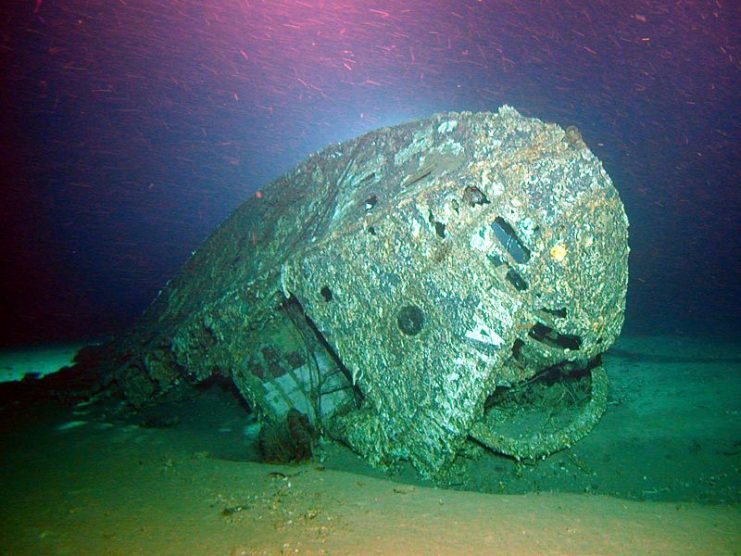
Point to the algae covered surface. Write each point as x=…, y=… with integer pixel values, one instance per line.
x=389, y=285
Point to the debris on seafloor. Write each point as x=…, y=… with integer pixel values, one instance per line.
x=287, y=441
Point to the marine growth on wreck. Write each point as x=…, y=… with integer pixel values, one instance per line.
x=405, y=290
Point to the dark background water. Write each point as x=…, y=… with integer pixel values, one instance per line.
x=132, y=128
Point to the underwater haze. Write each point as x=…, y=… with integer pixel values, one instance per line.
x=131, y=130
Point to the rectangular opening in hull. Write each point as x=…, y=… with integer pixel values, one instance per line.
x=506, y=235
x=546, y=335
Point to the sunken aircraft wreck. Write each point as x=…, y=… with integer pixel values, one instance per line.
x=402, y=292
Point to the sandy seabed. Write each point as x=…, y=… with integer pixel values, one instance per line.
x=83, y=481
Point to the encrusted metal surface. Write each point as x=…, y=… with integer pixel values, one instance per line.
x=387, y=285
